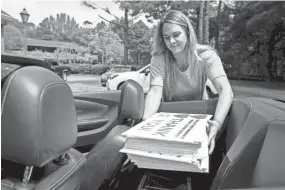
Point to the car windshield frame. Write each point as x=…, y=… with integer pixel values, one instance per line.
x=8, y=60
x=24, y=60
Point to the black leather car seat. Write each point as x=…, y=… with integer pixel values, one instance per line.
x=256, y=139
x=38, y=130
x=104, y=159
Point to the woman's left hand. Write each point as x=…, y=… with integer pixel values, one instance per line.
x=213, y=129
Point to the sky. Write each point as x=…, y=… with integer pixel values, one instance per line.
x=40, y=9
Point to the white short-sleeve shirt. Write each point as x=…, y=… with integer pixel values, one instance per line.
x=189, y=85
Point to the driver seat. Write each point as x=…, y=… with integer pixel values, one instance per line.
x=38, y=130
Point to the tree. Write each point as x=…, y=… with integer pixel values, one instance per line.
x=101, y=25
x=30, y=29
x=13, y=38
x=153, y=10
x=217, y=34
x=106, y=43
x=200, y=14
x=124, y=26
x=80, y=36
x=257, y=41
x=139, y=40
x=58, y=28
x=206, y=23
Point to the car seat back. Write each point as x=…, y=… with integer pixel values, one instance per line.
x=239, y=112
x=38, y=129
x=251, y=160
x=131, y=105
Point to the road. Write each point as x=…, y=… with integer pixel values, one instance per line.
x=89, y=83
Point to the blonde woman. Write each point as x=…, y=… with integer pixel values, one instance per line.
x=179, y=70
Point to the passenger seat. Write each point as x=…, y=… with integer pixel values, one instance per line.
x=104, y=159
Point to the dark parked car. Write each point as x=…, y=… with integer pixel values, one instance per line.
x=11, y=61
x=115, y=69
x=52, y=139
x=61, y=70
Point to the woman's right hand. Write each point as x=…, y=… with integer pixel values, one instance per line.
x=213, y=129
x=152, y=101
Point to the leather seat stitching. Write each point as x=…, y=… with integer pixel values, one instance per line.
x=245, y=100
x=239, y=156
x=59, y=181
x=112, y=138
x=237, y=159
x=250, y=111
x=102, y=179
x=40, y=119
x=117, y=157
x=6, y=92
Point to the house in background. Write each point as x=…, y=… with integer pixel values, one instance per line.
x=51, y=46
x=64, y=52
x=5, y=19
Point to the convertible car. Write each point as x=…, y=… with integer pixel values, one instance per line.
x=53, y=139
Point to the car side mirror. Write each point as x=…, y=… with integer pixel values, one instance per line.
x=147, y=71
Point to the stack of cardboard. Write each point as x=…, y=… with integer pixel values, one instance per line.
x=169, y=141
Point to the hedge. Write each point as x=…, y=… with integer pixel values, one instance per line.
x=89, y=69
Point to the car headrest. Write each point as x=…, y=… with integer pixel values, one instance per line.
x=38, y=116
x=269, y=170
x=131, y=103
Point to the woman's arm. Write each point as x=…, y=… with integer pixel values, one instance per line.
x=152, y=101
x=224, y=89
x=225, y=92
x=215, y=72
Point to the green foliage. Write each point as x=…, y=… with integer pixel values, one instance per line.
x=249, y=35
x=106, y=43
x=100, y=26
x=139, y=40
x=13, y=37
x=256, y=37
x=60, y=28
x=89, y=69
x=139, y=37
x=155, y=9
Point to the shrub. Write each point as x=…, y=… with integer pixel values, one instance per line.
x=89, y=69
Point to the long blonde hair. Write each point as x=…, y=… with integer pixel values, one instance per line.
x=159, y=47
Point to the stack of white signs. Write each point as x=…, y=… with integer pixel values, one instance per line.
x=169, y=141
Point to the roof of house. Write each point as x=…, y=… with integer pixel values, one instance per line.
x=6, y=17
x=55, y=44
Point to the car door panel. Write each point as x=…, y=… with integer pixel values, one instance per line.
x=96, y=115
x=90, y=124
x=113, y=95
x=87, y=110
